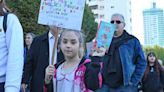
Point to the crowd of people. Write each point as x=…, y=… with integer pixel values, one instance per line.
x=37, y=67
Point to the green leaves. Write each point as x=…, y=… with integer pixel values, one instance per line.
x=27, y=12
x=89, y=25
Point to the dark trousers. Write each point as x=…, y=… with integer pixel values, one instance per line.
x=105, y=88
x=2, y=87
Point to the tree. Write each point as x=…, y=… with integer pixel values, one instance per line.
x=28, y=10
x=89, y=25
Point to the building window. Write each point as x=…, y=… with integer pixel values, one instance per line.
x=101, y=7
x=101, y=16
x=112, y=7
x=130, y=10
x=94, y=7
x=96, y=15
x=92, y=0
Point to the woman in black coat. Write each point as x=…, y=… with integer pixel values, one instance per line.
x=153, y=80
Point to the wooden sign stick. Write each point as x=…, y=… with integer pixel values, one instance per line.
x=55, y=47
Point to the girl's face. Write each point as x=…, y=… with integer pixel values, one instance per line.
x=28, y=39
x=151, y=58
x=70, y=44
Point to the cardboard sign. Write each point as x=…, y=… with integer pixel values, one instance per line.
x=105, y=34
x=62, y=13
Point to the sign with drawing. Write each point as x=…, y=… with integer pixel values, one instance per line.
x=105, y=34
x=62, y=13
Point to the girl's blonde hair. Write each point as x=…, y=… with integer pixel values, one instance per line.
x=3, y=8
x=80, y=38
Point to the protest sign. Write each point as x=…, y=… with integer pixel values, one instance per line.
x=104, y=34
x=62, y=13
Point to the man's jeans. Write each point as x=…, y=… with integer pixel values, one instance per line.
x=105, y=88
x=2, y=87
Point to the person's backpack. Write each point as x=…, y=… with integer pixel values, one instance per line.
x=5, y=22
x=93, y=76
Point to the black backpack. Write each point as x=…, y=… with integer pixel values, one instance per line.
x=5, y=22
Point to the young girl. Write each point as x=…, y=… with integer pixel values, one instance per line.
x=68, y=76
x=153, y=77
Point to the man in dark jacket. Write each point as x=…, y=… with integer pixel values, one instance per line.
x=123, y=65
x=39, y=57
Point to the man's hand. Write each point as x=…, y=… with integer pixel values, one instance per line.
x=24, y=86
x=49, y=73
x=99, y=51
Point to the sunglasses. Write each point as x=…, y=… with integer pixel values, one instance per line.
x=116, y=21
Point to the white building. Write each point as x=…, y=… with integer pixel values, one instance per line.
x=153, y=26
x=103, y=9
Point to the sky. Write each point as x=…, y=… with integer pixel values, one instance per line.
x=137, y=16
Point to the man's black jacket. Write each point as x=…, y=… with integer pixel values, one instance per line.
x=37, y=61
